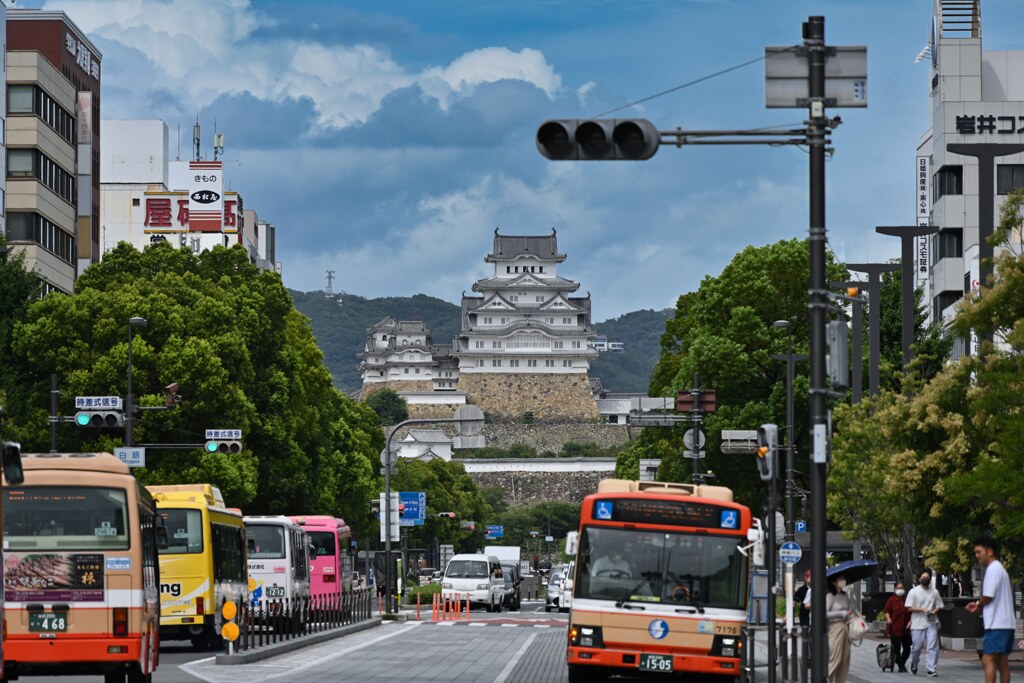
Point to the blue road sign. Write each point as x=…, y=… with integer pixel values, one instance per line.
x=415, y=503
x=800, y=526
x=790, y=552
x=495, y=531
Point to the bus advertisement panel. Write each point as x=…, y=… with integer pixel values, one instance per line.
x=80, y=584
x=203, y=565
x=661, y=577
x=330, y=571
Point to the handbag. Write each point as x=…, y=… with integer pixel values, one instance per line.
x=856, y=626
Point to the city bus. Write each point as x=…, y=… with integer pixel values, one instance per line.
x=330, y=571
x=278, y=551
x=661, y=579
x=81, y=570
x=203, y=565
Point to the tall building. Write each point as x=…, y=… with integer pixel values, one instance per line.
x=524, y=342
x=59, y=42
x=43, y=193
x=971, y=156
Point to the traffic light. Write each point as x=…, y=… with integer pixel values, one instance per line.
x=838, y=359
x=223, y=446
x=446, y=515
x=767, y=451
x=401, y=510
x=598, y=139
x=99, y=418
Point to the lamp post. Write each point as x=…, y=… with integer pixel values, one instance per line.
x=129, y=402
x=786, y=325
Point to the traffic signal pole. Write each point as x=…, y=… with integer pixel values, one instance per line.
x=817, y=126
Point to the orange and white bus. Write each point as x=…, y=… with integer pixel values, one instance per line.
x=661, y=579
x=81, y=572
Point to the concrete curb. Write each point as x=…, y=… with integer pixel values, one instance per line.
x=267, y=651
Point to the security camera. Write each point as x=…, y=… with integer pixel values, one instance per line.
x=171, y=395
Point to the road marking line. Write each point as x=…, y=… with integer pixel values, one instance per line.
x=476, y=623
x=507, y=671
x=508, y=625
x=542, y=625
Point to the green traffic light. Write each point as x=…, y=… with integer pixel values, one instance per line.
x=82, y=419
x=211, y=446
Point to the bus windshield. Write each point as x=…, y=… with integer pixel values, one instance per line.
x=184, y=531
x=65, y=518
x=656, y=566
x=324, y=542
x=466, y=569
x=269, y=541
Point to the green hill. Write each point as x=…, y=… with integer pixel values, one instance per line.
x=630, y=369
x=340, y=324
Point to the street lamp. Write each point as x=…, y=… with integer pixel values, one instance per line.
x=129, y=418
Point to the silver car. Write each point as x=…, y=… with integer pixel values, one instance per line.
x=554, y=588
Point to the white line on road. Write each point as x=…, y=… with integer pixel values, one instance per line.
x=509, y=625
x=507, y=671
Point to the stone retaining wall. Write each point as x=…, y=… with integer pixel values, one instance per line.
x=534, y=487
x=552, y=436
x=415, y=385
x=548, y=397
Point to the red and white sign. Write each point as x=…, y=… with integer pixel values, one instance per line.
x=206, y=199
x=171, y=210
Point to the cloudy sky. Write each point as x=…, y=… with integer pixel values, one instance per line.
x=387, y=139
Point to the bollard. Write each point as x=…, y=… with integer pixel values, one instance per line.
x=467, y=607
x=417, y=607
x=458, y=607
x=380, y=604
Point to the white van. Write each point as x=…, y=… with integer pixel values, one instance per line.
x=477, y=576
x=278, y=566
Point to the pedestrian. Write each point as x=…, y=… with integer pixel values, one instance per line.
x=897, y=620
x=799, y=597
x=924, y=603
x=837, y=610
x=944, y=585
x=997, y=603
x=958, y=587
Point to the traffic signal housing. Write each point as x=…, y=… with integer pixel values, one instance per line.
x=226, y=446
x=446, y=515
x=767, y=451
x=598, y=139
x=99, y=419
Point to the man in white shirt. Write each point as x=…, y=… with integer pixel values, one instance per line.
x=613, y=564
x=997, y=601
x=924, y=602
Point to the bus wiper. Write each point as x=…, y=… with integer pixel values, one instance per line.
x=687, y=599
x=648, y=576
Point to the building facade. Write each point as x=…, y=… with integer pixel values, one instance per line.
x=523, y=347
x=65, y=47
x=41, y=194
x=399, y=355
x=970, y=158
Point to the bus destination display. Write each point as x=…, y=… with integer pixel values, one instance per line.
x=666, y=512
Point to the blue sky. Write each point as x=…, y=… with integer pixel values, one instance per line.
x=387, y=140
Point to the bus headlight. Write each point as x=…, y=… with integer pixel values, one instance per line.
x=446, y=586
x=586, y=636
x=483, y=586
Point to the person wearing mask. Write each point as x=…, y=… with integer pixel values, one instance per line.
x=997, y=603
x=897, y=620
x=612, y=564
x=800, y=596
x=837, y=611
x=924, y=602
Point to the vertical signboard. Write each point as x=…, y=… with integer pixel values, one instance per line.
x=205, y=196
x=924, y=212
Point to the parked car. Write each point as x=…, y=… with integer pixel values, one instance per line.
x=426, y=575
x=512, y=570
x=508, y=601
x=554, y=588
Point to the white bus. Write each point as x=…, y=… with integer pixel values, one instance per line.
x=279, y=552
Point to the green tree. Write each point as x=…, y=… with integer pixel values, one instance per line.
x=389, y=406
x=18, y=289
x=243, y=357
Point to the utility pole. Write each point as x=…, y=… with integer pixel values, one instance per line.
x=908, y=235
x=54, y=407
x=874, y=287
x=696, y=402
x=857, y=385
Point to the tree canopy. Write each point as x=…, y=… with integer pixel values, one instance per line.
x=389, y=406
x=243, y=358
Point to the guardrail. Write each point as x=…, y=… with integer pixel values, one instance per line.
x=270, y=621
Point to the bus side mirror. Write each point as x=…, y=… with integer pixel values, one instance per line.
x=572, y=542
x=250, y=545
x=13, y=472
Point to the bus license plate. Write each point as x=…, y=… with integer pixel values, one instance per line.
x=47, y=622
x=275, y=591
x=656, y=663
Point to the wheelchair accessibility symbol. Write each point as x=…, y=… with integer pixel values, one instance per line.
x=603, y=510
x=730, y=519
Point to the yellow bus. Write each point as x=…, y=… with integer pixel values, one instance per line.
x=203, y=565
x=81, y=570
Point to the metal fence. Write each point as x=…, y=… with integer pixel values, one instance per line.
x=794, y=655
x=270, y=621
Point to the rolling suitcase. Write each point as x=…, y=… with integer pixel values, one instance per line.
x=884, y=654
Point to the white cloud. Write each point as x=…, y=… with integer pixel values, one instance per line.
x=201, y=49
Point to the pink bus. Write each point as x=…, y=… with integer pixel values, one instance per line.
x=331, y=570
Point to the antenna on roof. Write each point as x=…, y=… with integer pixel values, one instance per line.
x=196, y=139
x=218, y=141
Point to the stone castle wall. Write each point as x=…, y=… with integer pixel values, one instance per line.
x=423, y=411
x=534, y=487
x=552, y=436
x=507, y=396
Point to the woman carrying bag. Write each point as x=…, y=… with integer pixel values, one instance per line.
x=838, y=612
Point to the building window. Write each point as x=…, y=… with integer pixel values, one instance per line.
x=567, y=321
x=566, y=363
x=479, y=344
x=31, y=227
x=575, y=345
x=948, y=244
x=504, y=320
x=551, y=321
x=948, y=180
x=943, y=301
x=417, y=371
x=549, y=363
x=531, y=363
x=559, y=344
x=513, y=363
x=496, y=345
x=1009, y=177
x=487, y=321
x=31, y=99
x=407, y=371
x=542, y=269
x=480, y=363
x=540, y=298
x=496, y=363
x=31, y=163
x=508, y=269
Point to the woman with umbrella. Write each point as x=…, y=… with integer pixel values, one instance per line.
x=838, y=610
